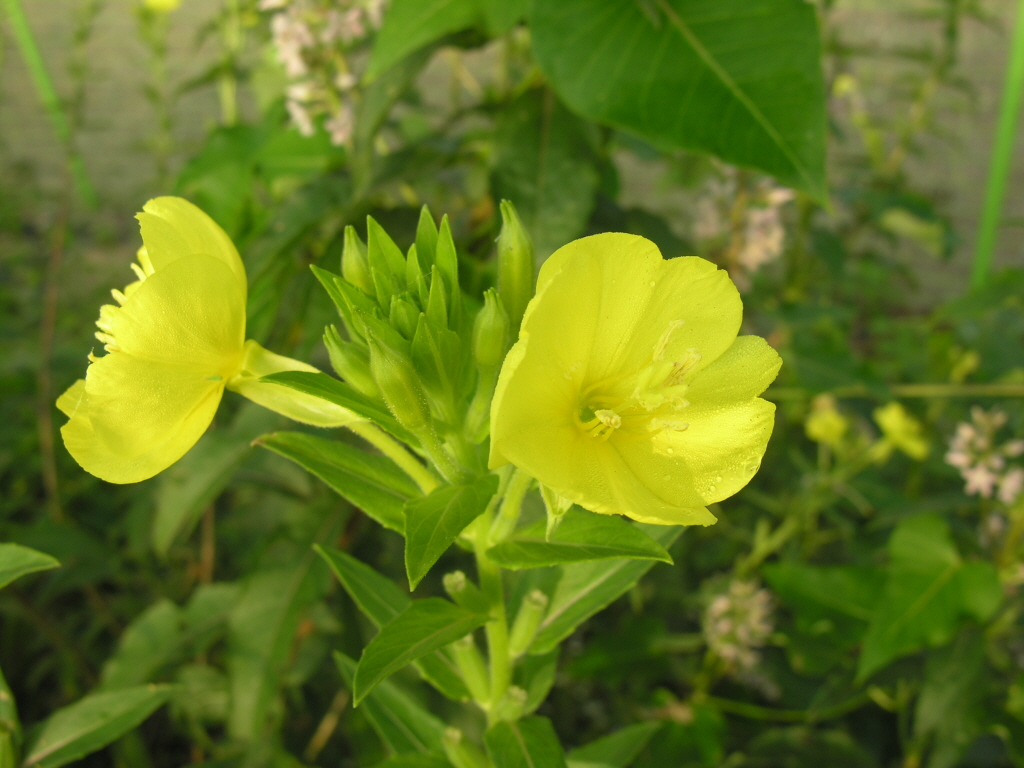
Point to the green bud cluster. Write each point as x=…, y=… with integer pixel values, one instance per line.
x=407, y=340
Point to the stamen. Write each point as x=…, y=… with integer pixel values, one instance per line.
x=610, y=419
x=666, y=337
x=138, y=271
x=143, y=256
x=106, y=319
x=682, y=368
x=109, y=342
x=119, y=297
x=657, y=425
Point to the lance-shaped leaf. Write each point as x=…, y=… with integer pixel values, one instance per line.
x=527, y=743
x=740, y=79
x=580, y=537
x=616, y=750
x=91, y=723
x=402, y=724
x=432, y=523
x=381, y=601
x=423, y=627
x=586, y=588
x=375, y=484
x=17, y=561
x=338, y=392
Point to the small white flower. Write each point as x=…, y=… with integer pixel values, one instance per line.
x=1010, y=486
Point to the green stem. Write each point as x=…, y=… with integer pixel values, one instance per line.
x=227, y=86
x=496, y=629
x=48, y=96
x=394, y=451
x=511, y=507
x=999, y=167
x=904, y=390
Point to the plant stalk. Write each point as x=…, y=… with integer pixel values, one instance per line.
x=1002, y=154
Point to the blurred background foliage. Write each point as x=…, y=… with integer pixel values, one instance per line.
x=858, y=605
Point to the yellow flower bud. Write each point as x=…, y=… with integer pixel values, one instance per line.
x=825, y=424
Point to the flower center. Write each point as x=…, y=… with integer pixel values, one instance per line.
x=653, y=404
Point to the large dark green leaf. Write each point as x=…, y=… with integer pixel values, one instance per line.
x=432, y=523
x=381, y=601
x=586, y=588
x=740, y=79
x=929, y=590
x=91, y=723
x=544, y=163
x=527, y=743
x=402, y=724
x=423, y=627
x=411, y=24
x=375, y=484
x=581, y=537
x=17, y=561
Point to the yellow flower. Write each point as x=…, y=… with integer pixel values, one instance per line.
x=825, y=424
x=899, y=430
x=629, y=391
x=174, y=340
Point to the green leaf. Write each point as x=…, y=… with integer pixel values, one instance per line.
x=338, y=392
x=536, y=676
x=402, y=724
x=426, y=760
x=425, y=626
x=261, y=632
x=947, y=708
x=617, y=750
x=527, y=743
x=740, y=79
x=432, y=523
x=412, y=24
x=17, y=561
x=149, y=642
x=823, y=590
x=501, y=15
x=381, y=601
x=375, y=484
x=544, y=163
x=9, y=723
x=929, y=590
x=91, y=723
x=581, y=536
x=189, y=486
x=586, y=588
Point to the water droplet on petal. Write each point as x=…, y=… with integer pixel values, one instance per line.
x=671, y=451
x=718, y=479
x=666, y=478
x=711, y=488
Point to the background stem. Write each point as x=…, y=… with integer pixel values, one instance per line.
x=1002, y=152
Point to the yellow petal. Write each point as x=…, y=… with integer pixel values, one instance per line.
x=173, y=228
x=743, y=371
x=135, y=405
x=191, y=312
x=96, y=458
x=289, y=402
x=713, y=458
x=616, y=296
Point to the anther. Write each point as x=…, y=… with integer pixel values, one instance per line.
x=119, y=297
x=138, y=271
x=666, y=337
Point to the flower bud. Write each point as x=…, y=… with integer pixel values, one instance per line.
x=464, y=592
x=490, y=332
x=395, y=376
x=403, y=316
x=512, y=704
x=528, y=619
x=460, y=752
x=354, y=266
x=471, y=667
x=516, y=270
x=351, y=362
